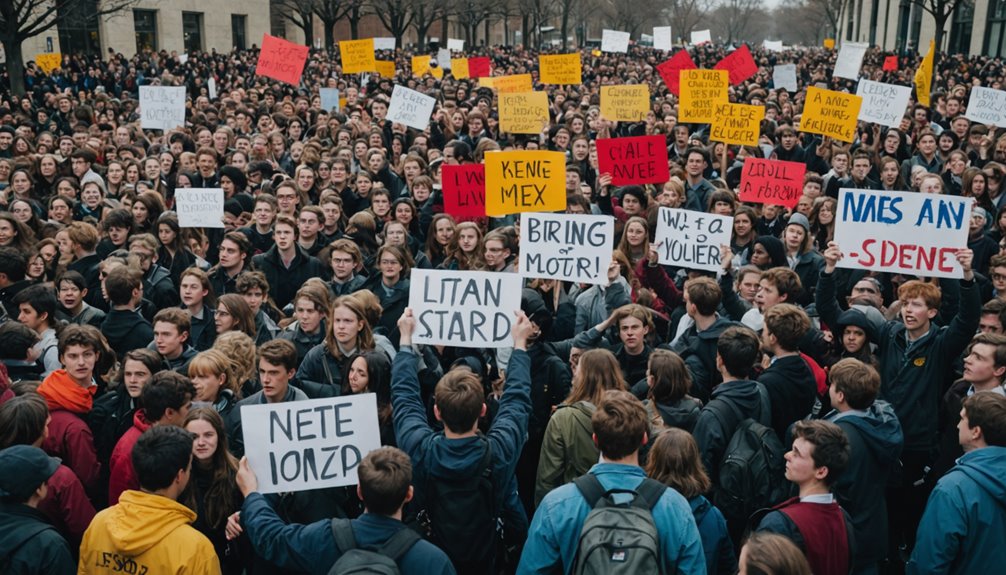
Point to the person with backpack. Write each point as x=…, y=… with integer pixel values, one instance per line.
x=790, y=384
x=376, y=542
x=614, y=519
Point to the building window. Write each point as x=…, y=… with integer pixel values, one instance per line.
x=239, y=31
x=145, y=26
x=78, y=29
x=995, y=38
x=960, y=29
x=192, y=31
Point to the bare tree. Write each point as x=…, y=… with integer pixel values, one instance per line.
x=686, y=14
x=23, y=19
x=470, y=14
x=736, y=16
x=425, y=13
x=941, y=11
x=830, y=11
x=396, y=15
x=300, y=13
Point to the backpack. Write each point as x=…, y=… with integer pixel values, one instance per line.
x=382, y=560
x=752, y=469
x=618, y=538
x=460, y=514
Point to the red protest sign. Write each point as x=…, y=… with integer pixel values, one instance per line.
x=772, y=182
x=638, y=160
x=478, y=67
x=670, y=70
x=739, y=63
x=281, y=60
x=891, y=64
x=464, y=190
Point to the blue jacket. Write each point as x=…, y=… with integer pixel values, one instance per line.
x=716, y=544
x=311, y=548
x=555, y=529
x=962, y=528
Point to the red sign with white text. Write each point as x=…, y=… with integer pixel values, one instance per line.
x=634, y=161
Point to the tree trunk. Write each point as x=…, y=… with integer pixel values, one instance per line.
x=15, y=65
x=506, y=30
x=443, y=28
x=308, y=33
x=487, y=25
x=354, y=24
x=565, y=25
x=329, y=35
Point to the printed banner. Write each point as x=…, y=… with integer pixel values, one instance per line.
x=569, y=247
x=463, y=308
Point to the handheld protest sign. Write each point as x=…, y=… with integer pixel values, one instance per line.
x=737, y=124
x=568, y=247
x=739, y=63
x=987, y=106
x=784, y=77
x=411, y=108
x=701, y=91
x=891, y=64
x=281, y=60
x=662, y=38
x=559, y=69
x=459, y=68
x=774, y=45
x=670, y=70
x=883, y=104
x=625, y=103
x=200, y=207
x=464, y=190
x=455, y=44
x=690, y=239
x=636, y=160
x=525, y=181
x=386, y=43
x=850, y=59
x=49, y=62
x=464, y=308
x=162, y=107
x=421, y=67
x=358, y=56
x=514, y=83
x=902, y=232
x=523, y=112
x=774, y=182
x=830, y=113
x=479, y=67
x=313, y=444
x=701, y=37
x=329, y=99
x=614, y=41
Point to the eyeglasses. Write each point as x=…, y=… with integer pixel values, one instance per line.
x=998, y=277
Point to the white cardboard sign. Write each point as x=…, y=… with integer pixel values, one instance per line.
x=411, y=108
x=701, y=37
x=329, y=99
x=850, y=59
x=784, y=77
x=570, y=247
x=883, y=104
x=384, y=43
x=690, y=239
x=200, y=207
x=162, y=107
x=662, y=39
x=464, y=309
x=987, y=106
x=455, y=44
x=614, y=41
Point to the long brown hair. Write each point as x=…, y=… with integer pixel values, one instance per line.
x=674, y=460
x=365, y=337
x=240, y=311
x=597, y=372
x=671, y=380
x=218, y=501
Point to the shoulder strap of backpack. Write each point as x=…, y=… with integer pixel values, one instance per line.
x=590, y=488
x=649, y=492
x=399, y=544
x=765, y=415
x=328, y=370
x=342, y=532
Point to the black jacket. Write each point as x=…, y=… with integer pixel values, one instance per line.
x=393, y=302
x=29, y=544
x=320, y=374
x=302, y=341
x=283, y=281
x=203, y=331
x=87, y=266
x=791, y=389
x=221, y=282
x=159, y=288
x=126, y=330
x=110, y=418
x=711, y=434
x=698, y=349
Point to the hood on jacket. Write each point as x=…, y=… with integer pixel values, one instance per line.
x=120, y=323
x=62, y=392
x=985, y=466
x=775, y=249
x=533, y=305
x=880, y=429
x=141, y=520
x=744, y=393
x=714, y=331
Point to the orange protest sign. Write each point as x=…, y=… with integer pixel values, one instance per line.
x=421, y=67
x=486, y=82
x=525, y=181
x=358, y=56
x=281, y=60
x=386, y=68
x=49, y=62
x=737, y=124
x=523, y=112
x=829, y=43
x=628, y=103
x=559, y=68
x=830, y=113
x=514, y=83
x=459, y=68
x=701, y=91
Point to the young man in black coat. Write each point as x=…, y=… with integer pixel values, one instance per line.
x=790, y=383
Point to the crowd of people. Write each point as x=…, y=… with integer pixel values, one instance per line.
x=783, y=415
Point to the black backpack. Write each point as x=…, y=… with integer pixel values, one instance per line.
x=460, y=514
x=751, y=473
x=381, y=560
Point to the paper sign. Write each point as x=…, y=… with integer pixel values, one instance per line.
x=614, y=41
x=211, y=87
x=459, y=68
x=701, y=37
x=486, y=82
x=569, y=247
x=384, y=43
x=329, y=99
x=774, y=45
x=200, y=207
x=281, y=60
x=737, y=124
x=625, y=103
x=464, y=189
x=514, y=83
x=637, y=160
x=670, y=70
x=883, y=104
x=411, y=108
x=464, y=309
x=987, y=106
x=183, y=58
x=662, y=39
x=902, y=232
x=850, y=59
x=525, y=181
x=479, y=67
x=690, y=239
x=421, y=65
x=312, y=444
x=784, y=77
x=358, y=56
x=49, y=62
x=162, y=107
x=455, y=44
x=701, y=91
x=829, y=43
x=739, y=63
x=523, y=112
x=891, y=64
x=386, y=68
x=830, y=113
x=444, y=58
x=773, y=182
x=559, y=68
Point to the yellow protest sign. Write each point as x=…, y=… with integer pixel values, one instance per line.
x=514, y=83
x=421, y=67
x=386, y=68
x=628, y=103
x=49, y=62
x=830, y=113
x=701, y=91
x=358, y=56
x=342, y=103
x=486, y=82
x=459, y=68
x=523, y=112
x=829, y=43
x=525, y=181
x=559, y=68
x=737, y=124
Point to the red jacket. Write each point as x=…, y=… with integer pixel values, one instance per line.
x=67, y=506
x=122, y=475
x=70, y=440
